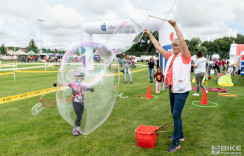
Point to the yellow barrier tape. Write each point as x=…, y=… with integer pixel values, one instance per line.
x=26, y=71
x=112, y=74
x=26, y=95
x=8, y=65
x=138, y=70
x=41, y=92
x=6, y=73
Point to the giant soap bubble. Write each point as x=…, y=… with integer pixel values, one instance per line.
x=100, y=76
x=125, y=35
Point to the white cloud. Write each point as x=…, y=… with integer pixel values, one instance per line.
x=2, y=27
x=60, y=16
x=62, y=19
x=209, y=19
x=194, y=13
x=239, y=12
x=109, y=16
x=209, y=32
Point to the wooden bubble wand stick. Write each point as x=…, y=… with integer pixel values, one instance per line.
x=157, y=18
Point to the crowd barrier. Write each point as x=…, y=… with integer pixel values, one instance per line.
x=26, y=95
x=15, y=69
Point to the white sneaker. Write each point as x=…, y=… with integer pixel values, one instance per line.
x=80, y=130
x=207, y=91
x=196, y=94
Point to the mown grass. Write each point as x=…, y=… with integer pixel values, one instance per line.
x=48, y=134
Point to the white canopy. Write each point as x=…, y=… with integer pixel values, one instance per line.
x=20, y=52
x=215, y=56
x=31, y=53
x=10, y=52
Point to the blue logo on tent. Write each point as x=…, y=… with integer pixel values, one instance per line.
x=103, y=27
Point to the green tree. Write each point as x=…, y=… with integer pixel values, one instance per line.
x=190, y=46
x=144, y=46
x=32, y=44
x=44, y=50
x=202, y=48
x=194, y=45
x=3, y=49
x=14, y=48
x=239, y=39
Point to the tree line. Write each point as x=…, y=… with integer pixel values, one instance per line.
x=31, y=47
x=219, y=46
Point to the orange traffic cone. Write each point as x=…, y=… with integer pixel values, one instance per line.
x=149, y=95
x=204, y=98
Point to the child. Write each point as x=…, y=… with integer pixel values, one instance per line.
x=133, y=64
x=78, y=89
x=159, y=78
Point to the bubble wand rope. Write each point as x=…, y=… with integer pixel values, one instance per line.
x=42, y=100
x=142, y=33
x=53, y=103
x=162, y=23
x=136, y=23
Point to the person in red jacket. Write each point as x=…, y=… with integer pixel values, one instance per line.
x=159, y=77
x=223, y=64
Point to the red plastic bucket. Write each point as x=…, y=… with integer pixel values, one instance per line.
x=144, y=136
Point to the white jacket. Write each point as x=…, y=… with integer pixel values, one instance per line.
x=181, y=75
x=201, y=65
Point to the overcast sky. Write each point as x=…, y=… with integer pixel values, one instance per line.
x=207, y=19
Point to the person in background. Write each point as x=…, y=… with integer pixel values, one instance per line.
x=192, y=66
x=133, y=64
x=158, y=62
x=223, y=64
x=126, y=68
x=200, y=68
x=217, y=66
x=159, y=77
x=121, y=62
x=151, y=65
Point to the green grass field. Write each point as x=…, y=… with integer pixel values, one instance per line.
x=49, y=134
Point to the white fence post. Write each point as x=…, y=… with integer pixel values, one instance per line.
x=45, y=65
